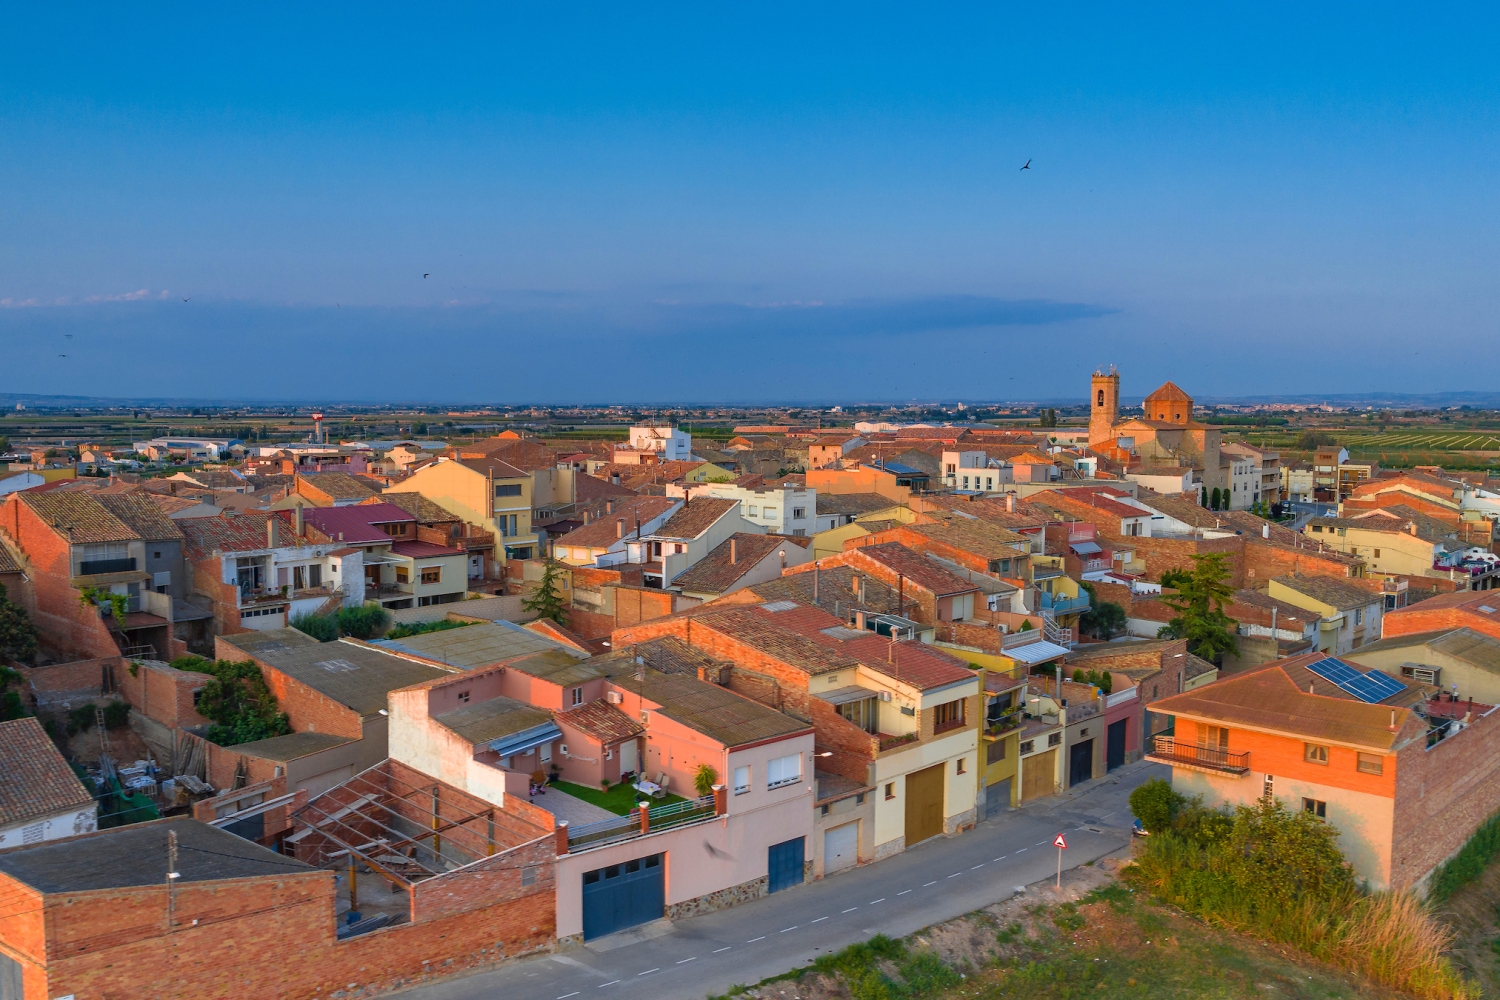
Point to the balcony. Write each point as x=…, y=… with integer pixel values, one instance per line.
x=1166, y=750
x=96, y=567
x=1064, y=605
x=1005, y=722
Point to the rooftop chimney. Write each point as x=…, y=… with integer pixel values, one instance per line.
x=1265, y=530
x=620, y=527
x=298, y=515
x=734, y=552
x=585, y=517
x=1010, y=502
x=1413, y=527
x=854, y=584
x=271, y=532
x=609, y=507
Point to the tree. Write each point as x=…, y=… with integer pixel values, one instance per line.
x=17, y=634
x=237, y=702
x=363, y=622
x=1155, y=803
x=1203, y=499
x=324, y=628
x=1175, y=578
x=1213, y=499
x=1199, y=603
x=546, y=601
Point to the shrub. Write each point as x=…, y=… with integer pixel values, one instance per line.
x=324, y=628
x=237, y=702
x=705, y=778
x=422, y=628
x=1470, y=861
x=116, y=714
x=81, y=719
x=1155, y=804
x=363, y=622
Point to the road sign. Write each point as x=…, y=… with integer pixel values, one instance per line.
x=1061, y=842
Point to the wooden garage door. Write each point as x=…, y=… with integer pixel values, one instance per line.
x=1039, y=776
x=924, y=804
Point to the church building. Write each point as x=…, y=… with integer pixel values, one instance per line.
x=1165, y=433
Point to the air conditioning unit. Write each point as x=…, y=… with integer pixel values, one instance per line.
x=885, y=696
x=613, y=697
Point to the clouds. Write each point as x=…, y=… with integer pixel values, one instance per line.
x=139, y=295
x=528, y=347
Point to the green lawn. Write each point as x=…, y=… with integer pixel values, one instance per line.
x=620, y=799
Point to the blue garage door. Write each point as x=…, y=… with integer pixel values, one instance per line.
x=623, y=895
x=784, y=864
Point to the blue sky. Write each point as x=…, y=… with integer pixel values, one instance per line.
x=752, y=203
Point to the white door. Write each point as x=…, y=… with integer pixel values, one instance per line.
x=840, y=848
x=627, y=756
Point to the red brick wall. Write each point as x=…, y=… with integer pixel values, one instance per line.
x=1442, y=795
x=162, y=693
x=493, y=880
x=1263, y=560
x=1401, y=498
x=52, y=684
x=1162, y=554
x=306, y=709
x=208, y=581
x=921, y=604
x=1419, y=619
x=639, y=604
x=113, y=943
x=69, y=631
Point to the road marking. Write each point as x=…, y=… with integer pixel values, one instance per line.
x=880, y=900
x=566, y=995
x=1022, y=849
x=926, y=884
x=753, y=940
x=903, y=892
x=820, y=918
x=685, y=961
x=725, y=948
x=1002, y=857
x=785, y=929
x=955, y=875
x=1039, y=843
x=612, y=982
x=850, y=910
x=647, y=972
x=980, y=865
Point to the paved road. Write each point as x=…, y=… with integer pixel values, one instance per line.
x=935, y=881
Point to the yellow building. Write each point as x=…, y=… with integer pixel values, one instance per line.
x=1390, y=544
x=831, y=542
x=490, y=494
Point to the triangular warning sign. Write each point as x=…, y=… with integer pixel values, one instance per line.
x=1061, y=842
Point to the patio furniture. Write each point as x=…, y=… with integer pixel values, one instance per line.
x=646, y=787
x=661, y=791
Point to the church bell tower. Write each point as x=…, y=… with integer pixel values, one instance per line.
x=1104, y=406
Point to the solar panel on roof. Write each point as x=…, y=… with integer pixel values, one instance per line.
x=779, y=606
x=1486, y=609
x=1371, y=687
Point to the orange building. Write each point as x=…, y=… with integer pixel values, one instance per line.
x=1478, y=610
x=1405, y=778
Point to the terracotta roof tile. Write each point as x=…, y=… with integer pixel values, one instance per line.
x=144, y=516
x=603, y=721
x=695, y=517
x=714, y=573
x=424, y=510
x=603, y=533
x=79, y=517
x=235, y=533
x=916, y=568
x=38, y=782
x=1339, y=594
x=338, y=485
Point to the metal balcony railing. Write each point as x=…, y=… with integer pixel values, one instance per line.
x=94, y=567
x=1166, y=750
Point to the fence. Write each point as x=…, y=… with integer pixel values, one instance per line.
x=625, y=827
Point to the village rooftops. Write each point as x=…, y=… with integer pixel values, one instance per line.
x=423, y=550
x=917, y=568
x=415, y=504
x=493, y=719
x=1463, y=644
x=136, y=855
x=835, y=587
x=291, y=746
x=340, y=485
x=982, y=538
x=715, y=573
x=716, y=712
x=38, y=781
x=475, y=646
x=142, y=514
x=231, y=532
x=354, y=674
x=604, y=722
x=559, y=666
x=355, y=525
x=271, y=640
x=1330, y=590
x=79, y=517
x=694, y=517
x=1286, y=698
x=667, y=654
x=853, y=504
x=607, y=530
x=1483, y=603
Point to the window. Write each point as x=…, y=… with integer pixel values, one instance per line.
x=799, y=512
x=528, y=875
x=784, y=770
x=1314, y=754
x=890, y=789
x=798, y=532
x=463, y=697
x=403, y=575
x=1377, y=553
x=741, y=780
x=432, y=574
x=949, y=714
x=507, y=489
x=1371, y=763
x=995, y=752
x=1028, y=746
x=962, y=763
x=578, y=696
x=1315, y=806
x=989, y=482
x=825, y=809
x=864, y=713
x=1213, y=737
x=315, y=575
x=754, y=511
x=1053, y=739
